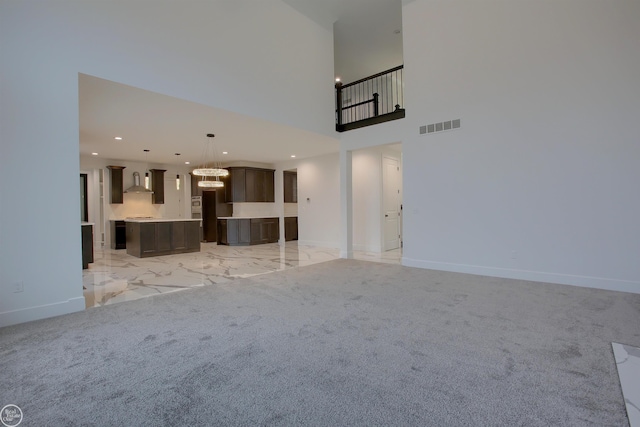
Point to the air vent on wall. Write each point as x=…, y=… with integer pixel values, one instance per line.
x=441, y=126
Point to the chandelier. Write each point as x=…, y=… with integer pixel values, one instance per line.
x=210, y=166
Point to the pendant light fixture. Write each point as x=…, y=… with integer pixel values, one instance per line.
x=177, y=176
x=146, y=173
x=210, y=166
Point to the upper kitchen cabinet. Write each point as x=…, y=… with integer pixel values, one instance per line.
x=290, y=187
x=157, y=185
x=117, y=189
x=246, y=184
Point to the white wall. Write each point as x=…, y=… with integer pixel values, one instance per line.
x=367, y=200
x=318, y=200
x=240, y=56
x=541, y=181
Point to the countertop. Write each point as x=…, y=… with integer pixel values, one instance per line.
x=245, y=217
x=158, y=219
x=87, y=223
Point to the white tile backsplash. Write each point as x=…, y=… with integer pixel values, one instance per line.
x=290, y=209
x=258, y=210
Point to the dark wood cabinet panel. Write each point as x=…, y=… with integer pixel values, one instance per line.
x=157, y=185
x=162, y=238
x=269, y=186
x=252, y=184
x=116, y=187
x=178, y=236
x=87, y=245
x=235, y=185
x=118, y=234
x=234, y=232
x=192, y=235
x=290, y=228
x=246, y=184
x=256, y=232
x=195, y=190
x=243, y=231
x=164, y=231
x=185, y=235
x=148, y=238
x=290, y=187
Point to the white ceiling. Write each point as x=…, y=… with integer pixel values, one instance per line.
x=167, y=125
x=366, y=41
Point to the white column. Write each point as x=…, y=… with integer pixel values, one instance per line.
x=346, y=205
x=279, y=201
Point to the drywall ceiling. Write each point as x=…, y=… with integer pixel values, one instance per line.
x=166, y=125
x=366, y=42
x=367, y=33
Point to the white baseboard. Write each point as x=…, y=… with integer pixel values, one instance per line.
x=41, y=312
x=536, y=276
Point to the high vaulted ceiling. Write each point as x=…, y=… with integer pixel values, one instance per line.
x=165, y=125
x=367, y=33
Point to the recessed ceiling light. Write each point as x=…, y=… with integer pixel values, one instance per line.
x=94, y=154
x=118, y=138
x=293, y=155
x=225, y=152
x=187, y=163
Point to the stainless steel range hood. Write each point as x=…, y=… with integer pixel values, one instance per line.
x=137, y=188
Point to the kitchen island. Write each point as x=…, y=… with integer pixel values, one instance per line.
x=158, y=236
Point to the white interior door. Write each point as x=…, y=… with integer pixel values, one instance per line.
x=391, y=202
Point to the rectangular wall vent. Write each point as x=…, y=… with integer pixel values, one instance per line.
x=441, y=126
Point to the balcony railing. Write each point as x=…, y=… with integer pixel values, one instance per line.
x=375, y=99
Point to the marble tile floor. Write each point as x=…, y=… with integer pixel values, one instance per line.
x=628, y=364
x=115, y=276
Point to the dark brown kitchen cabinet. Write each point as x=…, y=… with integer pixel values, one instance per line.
x=145, y=239
x=185, y=235
x=245, y=184
x=234, y=232
x=265, y=230
x=117, y=189
x=87, y=245
x=195, y=190
x=118, y=234
x=290, y=187
x=157, y=185
x=245, y=231
x=290, y=228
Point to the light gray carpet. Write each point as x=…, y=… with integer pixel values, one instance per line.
x=340, y=343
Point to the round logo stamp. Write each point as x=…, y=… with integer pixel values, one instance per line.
x=11, y=415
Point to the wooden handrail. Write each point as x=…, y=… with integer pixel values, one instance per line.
x=399, y=67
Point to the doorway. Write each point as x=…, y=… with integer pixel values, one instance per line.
x=209, y=217
x=391, y=203
x=84, y=198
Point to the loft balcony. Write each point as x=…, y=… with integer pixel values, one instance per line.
x=369, y=101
